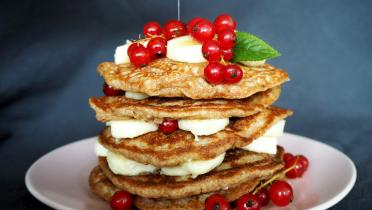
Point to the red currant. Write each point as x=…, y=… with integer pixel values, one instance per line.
x=140, y=56
x=152, y=29
x=233, y=74
x=298, y=169
x=111, y=91
x=216, y=201
x=168, y=126
x=203, y=30
x=132, y=47
x=263, y=196
x=223, y=22
x=287, y=157
x=227, y=54
x=304, y=161
x=248, y=202
x=157, y=47
x=214, y=72
x=281, y=193
x=211, y=50
x=174, y=28
x=226, y=38
x=191, y=23
x=121, y=200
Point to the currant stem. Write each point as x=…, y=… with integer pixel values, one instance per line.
x=223, y=61
x=277, y=176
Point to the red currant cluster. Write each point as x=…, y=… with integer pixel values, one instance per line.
x=280, y=193
x=140, y=55
x=298, y=163
x=215, y=50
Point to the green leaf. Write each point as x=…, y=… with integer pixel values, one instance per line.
x=248, y=47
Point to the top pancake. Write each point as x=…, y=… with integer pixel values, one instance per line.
x=155, y=109
x=167, y=78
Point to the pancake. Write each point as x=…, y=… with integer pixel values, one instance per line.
x=254, y=126
x=155, y=109
x=197, y=201
x=103, y=188
x=237, y=167
x=165, y=150
x=167, y=78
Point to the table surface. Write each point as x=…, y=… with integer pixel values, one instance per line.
x=50, y=49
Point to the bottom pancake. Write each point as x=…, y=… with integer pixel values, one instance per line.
x=237, y=167
x=103, y=188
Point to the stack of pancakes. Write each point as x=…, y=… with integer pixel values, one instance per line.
x=179, y=91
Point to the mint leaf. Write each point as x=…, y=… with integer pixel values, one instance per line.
x=249, y=47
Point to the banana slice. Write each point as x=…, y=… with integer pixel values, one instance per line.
x=130, y=128
x=253, y=63
x=121, y=52
x=203, y=127
x=194, y=167
x=123, y=166
x=135, y=95
x=264, y=144
x=185, y=49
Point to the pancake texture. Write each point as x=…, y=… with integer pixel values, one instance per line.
x=165, y=150
x=237, y=167
x=103, y=188
x=156, y=109
x=167, y=78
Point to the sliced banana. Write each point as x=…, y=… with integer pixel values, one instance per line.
x=253, y=63
x=99, y=149
x=203, y=127
x=263, y=144
x=194, y=167
x=130, y=128
x=185, y=49
x=123, y=166
x=135, y=95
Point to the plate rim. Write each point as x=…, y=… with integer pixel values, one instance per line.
x=324, y=205
x=34, y=192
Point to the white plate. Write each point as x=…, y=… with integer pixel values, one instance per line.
x=60, y=178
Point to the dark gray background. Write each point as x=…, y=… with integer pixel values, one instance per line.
x=49, y=51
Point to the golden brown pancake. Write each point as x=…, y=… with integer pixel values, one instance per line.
x=167, y=78
x=103, y=188
x=156, y=109
x=237, y=167
x=164, y=150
